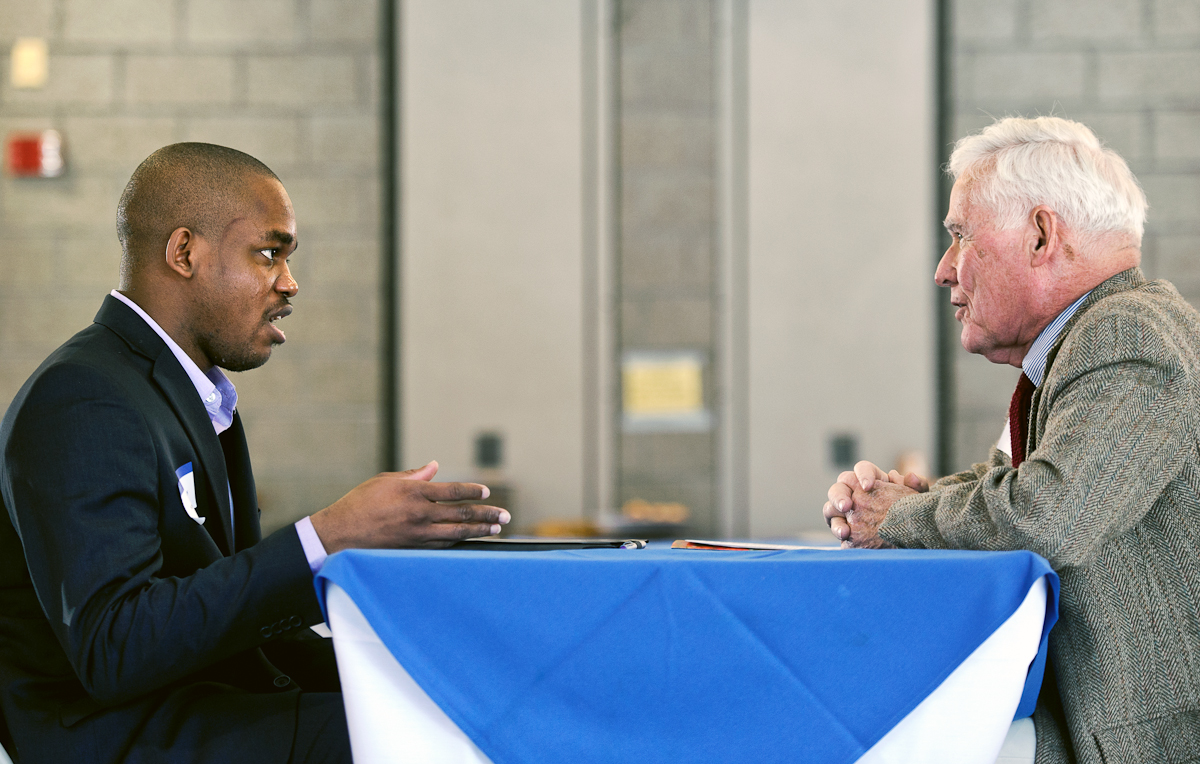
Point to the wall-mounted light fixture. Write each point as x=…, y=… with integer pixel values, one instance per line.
x=30, y=63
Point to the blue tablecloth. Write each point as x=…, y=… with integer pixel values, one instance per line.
x=678, y=655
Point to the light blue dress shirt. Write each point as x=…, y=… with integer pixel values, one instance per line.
x=1034, y=362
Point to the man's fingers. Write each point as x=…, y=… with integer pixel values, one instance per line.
x=831, y=510
x=840, y=528
x=840, y=497
x=420, y=473
x=867, y=474
x=916, y=482
x=469, y=514
x=455, y=491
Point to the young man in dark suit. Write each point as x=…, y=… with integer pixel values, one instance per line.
x=142, y=616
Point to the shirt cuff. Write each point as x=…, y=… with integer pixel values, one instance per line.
x=314, y=550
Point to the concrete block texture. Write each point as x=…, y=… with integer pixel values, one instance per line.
x=1177, y=135
x=666, y=323
x=677, y=78
x=1178, y=261
x=1122, y=131
x=274, y=141
x=977, y=432
x=266, y=23
x=673, y=260
x=655, y=22
x=1151, y=78
x=182, y=80
x=1174, y=200
x=38, y=324
x=342, y=21
x=1125, y=132
x=348, y=202
x=88, y=263
x=992, y=20
x=27, y=18
x=119, y=21
x=1084, y=20
x=298, y=81
x=350, y=139
x=339, y=266
x=60, y=202
x=654, y=200
x=27, y=264
x=1004, y=81
x=1176, y=18
x=318, y=321
x=677, y=454
x=667, y=139
x=73, y=80
x=658, y=22
x=115, y=143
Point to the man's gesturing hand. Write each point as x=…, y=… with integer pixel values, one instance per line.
x=860, y=500
x=402, y=509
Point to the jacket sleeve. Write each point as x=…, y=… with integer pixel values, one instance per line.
x=1116, y=424
x=83, y=490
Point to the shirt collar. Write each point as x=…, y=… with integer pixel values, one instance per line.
x=216, y=391
x=1034, y=362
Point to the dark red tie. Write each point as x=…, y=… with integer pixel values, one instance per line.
x=1018, y=418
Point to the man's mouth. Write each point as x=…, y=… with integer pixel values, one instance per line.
x=281, y=312
x=961, y=308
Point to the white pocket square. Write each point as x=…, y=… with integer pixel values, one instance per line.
x=187, y=491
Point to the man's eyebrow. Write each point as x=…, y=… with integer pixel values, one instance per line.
x=952, y=226
x=283, y=237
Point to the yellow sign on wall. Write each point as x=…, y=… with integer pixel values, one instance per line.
x=656, y=386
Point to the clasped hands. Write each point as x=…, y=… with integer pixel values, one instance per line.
x=859, y=501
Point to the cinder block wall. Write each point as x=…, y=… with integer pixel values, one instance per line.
x=293, y=82
x=667, y=297
x=1130, y=69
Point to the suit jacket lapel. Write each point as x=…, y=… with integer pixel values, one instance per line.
x=241, y=483
x=181, y=394
x=1128, y=279
x=179, y=391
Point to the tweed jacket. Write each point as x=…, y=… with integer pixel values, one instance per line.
x=1110, y=495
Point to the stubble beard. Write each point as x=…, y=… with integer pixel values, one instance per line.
x=224, y=351
x=231, y=356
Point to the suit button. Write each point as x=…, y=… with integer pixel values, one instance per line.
x=265, y=631
x=282, y=681
x=296, y=622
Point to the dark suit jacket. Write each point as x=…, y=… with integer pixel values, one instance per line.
x=128, y=631
x=1110, y=495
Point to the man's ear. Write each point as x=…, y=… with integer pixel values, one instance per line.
x=182, y=250
x=1045, y=237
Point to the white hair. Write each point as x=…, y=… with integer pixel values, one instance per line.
x=1016, y=164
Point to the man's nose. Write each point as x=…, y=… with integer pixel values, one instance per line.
x=946, y=275
x=286, y=284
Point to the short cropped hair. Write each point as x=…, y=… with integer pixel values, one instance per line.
x=190, y=185
x=1016, y=164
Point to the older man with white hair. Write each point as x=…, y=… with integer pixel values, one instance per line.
x=1103, y=479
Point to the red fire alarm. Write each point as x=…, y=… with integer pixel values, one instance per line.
x=35, y=155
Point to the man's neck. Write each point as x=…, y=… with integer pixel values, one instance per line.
x=168, y=320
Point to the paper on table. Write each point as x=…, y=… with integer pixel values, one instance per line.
x=739, y=546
